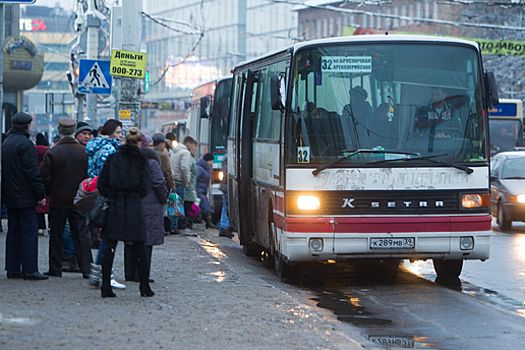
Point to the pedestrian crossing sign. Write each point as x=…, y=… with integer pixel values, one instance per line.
x=94, y=77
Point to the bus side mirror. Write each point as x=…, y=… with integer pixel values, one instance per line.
x=278, y=95
x=205, y=107
x=491, y=89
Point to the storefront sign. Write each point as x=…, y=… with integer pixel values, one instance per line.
x=22, y=64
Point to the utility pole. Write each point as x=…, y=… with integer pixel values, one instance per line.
x=2, y=19
x=93, y=27
x=131, y=41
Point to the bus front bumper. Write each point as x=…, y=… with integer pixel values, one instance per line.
x=414, y=238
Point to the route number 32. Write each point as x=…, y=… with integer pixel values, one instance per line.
x=303, y=154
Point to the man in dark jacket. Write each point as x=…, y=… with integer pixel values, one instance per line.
x=63, y=168
x=22, y=191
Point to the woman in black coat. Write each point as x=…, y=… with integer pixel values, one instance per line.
x=153, y=205
x=125, y=180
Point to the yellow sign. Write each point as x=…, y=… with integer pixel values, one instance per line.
x=128, y=64
x=487, y=46
x=124, y=114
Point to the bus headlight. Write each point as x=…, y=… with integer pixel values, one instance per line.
x=470, y=201
x=520, y=198
x=308, y=202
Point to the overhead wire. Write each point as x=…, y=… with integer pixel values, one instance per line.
x=200, y=33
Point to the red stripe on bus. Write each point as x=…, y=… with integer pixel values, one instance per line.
x=390, y=224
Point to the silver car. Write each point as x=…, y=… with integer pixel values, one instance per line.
x=507, y=189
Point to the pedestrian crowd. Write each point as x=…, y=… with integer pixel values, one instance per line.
x=133, y=176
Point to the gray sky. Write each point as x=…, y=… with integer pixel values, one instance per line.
x=66, y=4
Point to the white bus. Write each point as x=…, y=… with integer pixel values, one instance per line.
x=362, y=147
x=506, y=125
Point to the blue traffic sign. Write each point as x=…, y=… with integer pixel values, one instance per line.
x=18, y=1
x=94, y=77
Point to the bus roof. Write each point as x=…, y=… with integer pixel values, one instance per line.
x=374, y=38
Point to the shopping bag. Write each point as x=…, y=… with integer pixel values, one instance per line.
x=174, y=207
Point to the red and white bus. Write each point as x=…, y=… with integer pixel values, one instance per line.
x=337, y=151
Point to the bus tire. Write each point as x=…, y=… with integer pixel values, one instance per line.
x=503, y=223
x=284, y=269
x=446, y=269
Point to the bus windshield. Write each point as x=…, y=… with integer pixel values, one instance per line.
x=406, y=98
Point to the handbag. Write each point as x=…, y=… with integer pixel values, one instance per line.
x=99, y=213
x=86, y=195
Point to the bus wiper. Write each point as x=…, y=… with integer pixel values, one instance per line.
x=359, y=151
x=429, y=159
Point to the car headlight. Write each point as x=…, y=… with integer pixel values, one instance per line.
x=471, y=200
x=520, y=198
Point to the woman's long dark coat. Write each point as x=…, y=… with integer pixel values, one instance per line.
x=125, y=179
x=154, y=202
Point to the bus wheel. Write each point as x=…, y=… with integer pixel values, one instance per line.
x=448, y=268
x=284, y=269
x=503, y=223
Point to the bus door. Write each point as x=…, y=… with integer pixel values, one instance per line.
x=233, y=156
x=244, y=160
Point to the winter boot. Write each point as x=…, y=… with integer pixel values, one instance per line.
x=207, y=219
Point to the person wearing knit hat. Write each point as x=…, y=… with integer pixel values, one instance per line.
x=63, y=169
x=83, y=133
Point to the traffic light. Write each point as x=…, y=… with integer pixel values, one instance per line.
x=146, y=82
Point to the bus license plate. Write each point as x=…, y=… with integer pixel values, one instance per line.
x=392, y=243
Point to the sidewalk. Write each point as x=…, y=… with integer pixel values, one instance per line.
x=202, y=301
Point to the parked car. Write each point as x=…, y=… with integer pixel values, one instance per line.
x=507, y=189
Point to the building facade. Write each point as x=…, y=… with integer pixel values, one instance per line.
x=215, y=36
x=51, y=29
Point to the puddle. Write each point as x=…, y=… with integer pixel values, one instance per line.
x=347, y=308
